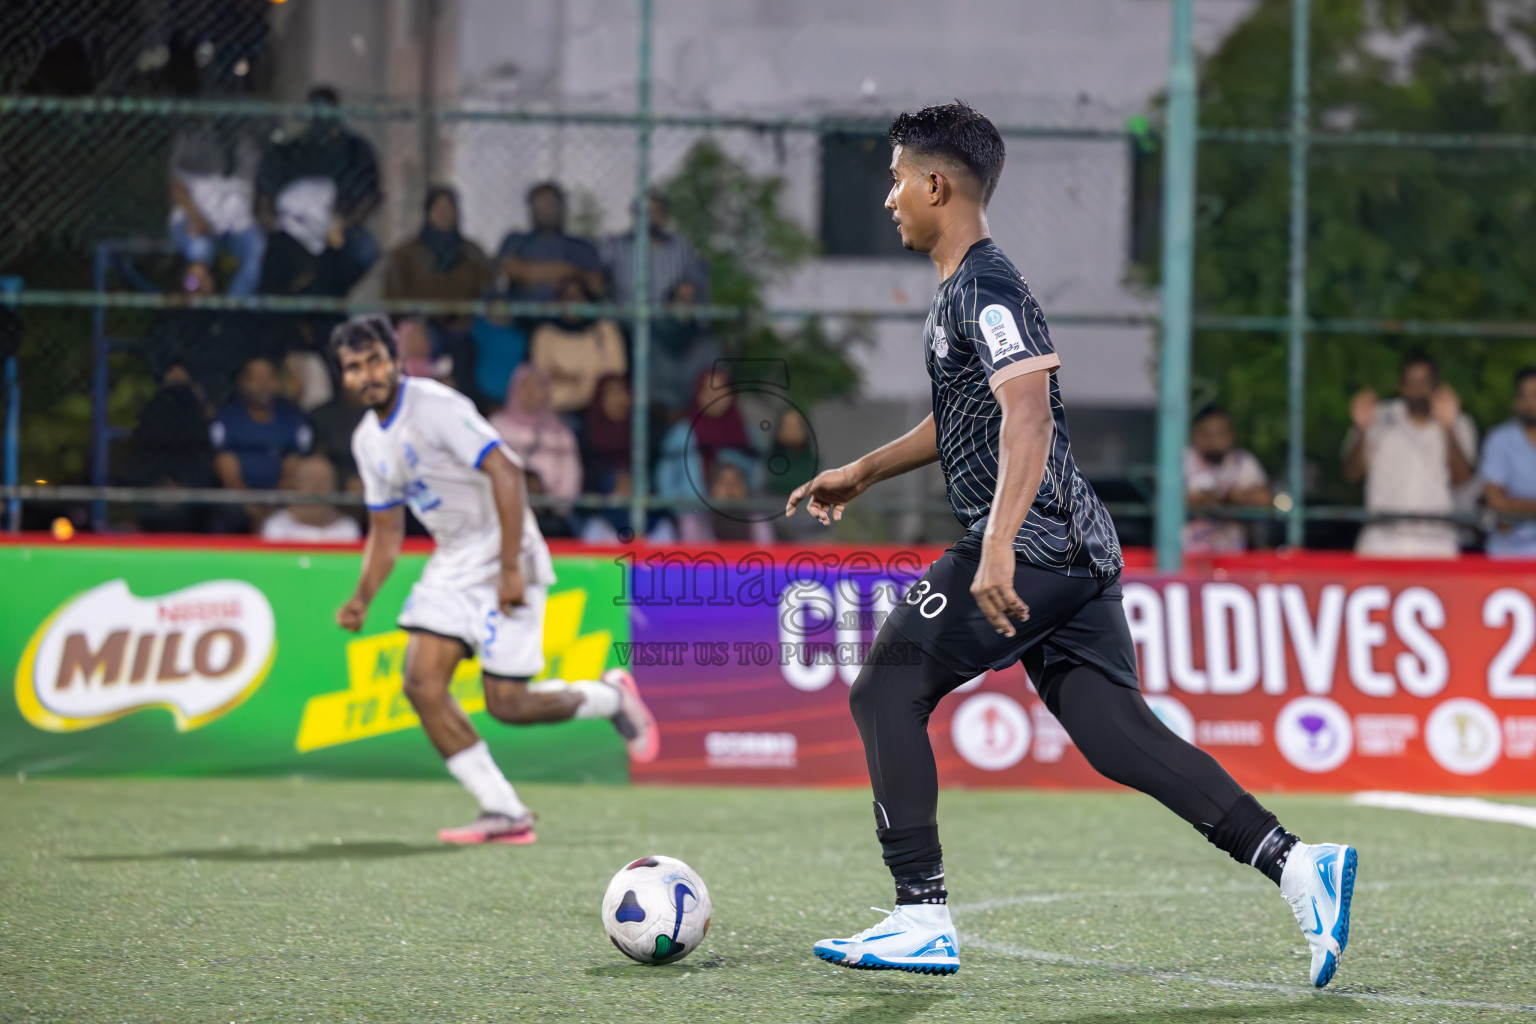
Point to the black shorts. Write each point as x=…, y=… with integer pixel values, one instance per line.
x=1073, y=620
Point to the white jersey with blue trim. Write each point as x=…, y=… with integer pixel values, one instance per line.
x=427, y=455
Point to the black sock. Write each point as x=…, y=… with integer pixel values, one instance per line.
x=920, y=888
x=915, y=860
x=1252, y=835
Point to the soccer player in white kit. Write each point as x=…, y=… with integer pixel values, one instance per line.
x=482, y=592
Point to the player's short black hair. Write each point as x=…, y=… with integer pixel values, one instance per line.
x=1418, y=357
x=361, y=332
x=1208, y=410
x=958, y=131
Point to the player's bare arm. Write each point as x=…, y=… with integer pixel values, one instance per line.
x=830, y=491
x=510, y=490
x=386, y=532
x=1023, y=443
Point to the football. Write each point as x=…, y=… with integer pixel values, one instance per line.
x=656, y=910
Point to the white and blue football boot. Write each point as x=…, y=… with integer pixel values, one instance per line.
x=1318, y=882
x=916, y=937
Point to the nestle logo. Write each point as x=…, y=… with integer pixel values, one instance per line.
x=199, y=611
x=750, y=749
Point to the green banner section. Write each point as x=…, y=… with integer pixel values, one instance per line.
x=168, y=661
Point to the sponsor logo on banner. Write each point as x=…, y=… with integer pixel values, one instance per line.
x=1174, y=715
x=1314, y=734
x=1463, y=736
x=750, y=749
x=991, y=731
x=198, y=653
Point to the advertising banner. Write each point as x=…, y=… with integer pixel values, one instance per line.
x=1311, y=673
x=1345, y=676
x=161, y=660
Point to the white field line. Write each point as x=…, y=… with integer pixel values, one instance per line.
x=1235, y=985
x=1450, y=807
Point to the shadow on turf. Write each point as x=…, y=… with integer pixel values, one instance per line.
x=891, y=1009
x=383, y=850
x=1289, y=1010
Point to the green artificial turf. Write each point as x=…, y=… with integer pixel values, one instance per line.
x=246, y=900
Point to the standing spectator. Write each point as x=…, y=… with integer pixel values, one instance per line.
x=259, y=434
x=530, y=427
x=439, y=263
x=575, y=352
x=533, y=264
x=213, y=193
x=314, y=191
x=1410, y=451
x=318, y=523
x=1509, y=473
x=673, y=259
x=1218, y=474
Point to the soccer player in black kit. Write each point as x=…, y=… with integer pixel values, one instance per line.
x=1036, y=577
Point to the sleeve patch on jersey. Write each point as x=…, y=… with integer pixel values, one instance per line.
x=1000, y=331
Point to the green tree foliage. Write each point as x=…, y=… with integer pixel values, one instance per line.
x=1395, y=233
x=732, y=217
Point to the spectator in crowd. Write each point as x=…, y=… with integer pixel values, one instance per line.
x=1509, y=473
x=727, y=486
x=530, y=427
x=533, y=264
x=170, y=448
x=715, y=420
x=213, y=186
x=673, y=259
x=209, y=345
x=441, y=264
x=792, y=456
x=313, y=192
x=1218, y=474
x=1410, y=451
x=576, y=352
x=333, y=425
x=607, y=438
x=318, y=523
x=306, y=380
x=416, y=358
x=258, y=434
x=681, y=349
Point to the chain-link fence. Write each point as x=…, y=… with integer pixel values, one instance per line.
x=144, y=232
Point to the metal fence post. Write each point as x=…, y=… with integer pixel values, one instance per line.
x=1178, y=290
x=1296, y=344
x=12, y=442
x=640, y=483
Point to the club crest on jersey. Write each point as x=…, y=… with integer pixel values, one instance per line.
x=940, y=342
x=1001, y=332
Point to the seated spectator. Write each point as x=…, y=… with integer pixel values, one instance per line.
x=727, y=486
x=333, y=425
x=607, y=439
x=673, y=259
x=575, y=352
x=310, y=524
x=531, y=428
x=416, y=358
x=313, y=193
x=170, y=448
x=1509, y=473
x=439, y=263
x=500, y=346
x=1218, y=474
x=533, y=264
x=681, y=349
x=715, y=419
x=792, y=457
x=1410, y=451
x=213, y=191
x=258, y=434
x=209, y=345
x=306, y=380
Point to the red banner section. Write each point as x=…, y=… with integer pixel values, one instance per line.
x=1300, y=674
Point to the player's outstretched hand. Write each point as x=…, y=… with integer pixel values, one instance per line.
x=510, y=588
x=993, y=590
x=826, y=496
x=351, y=615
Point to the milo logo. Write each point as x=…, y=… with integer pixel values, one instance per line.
x=105, y=653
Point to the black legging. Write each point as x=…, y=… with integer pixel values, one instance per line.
x=1111, y=724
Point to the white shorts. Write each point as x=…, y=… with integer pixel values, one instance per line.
x=507, y=645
